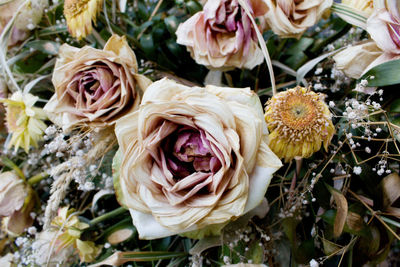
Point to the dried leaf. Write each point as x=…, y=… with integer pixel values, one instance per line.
x=330, y=248
x=390, y=189
x=342, y=210
x=354, y=222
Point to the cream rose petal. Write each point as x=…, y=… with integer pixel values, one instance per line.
x=356, y=60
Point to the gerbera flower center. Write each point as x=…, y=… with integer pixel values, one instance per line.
x=298, y=112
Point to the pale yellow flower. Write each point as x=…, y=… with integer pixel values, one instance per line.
x=80, y=14
x=65, y=235
x=299, y=122
x=70, y=227
x=192, y=157
x=88, y=251
x=24, y=121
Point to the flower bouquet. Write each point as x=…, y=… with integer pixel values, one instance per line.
x=199, y=133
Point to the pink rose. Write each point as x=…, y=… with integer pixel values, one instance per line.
x=222, y=34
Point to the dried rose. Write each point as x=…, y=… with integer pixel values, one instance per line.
x=192, y=157
x=222, y=35
x=365, y=53
x=13, y=192
x=16, y=204
x=291, y=18
x=384, y=27
x=95, y=87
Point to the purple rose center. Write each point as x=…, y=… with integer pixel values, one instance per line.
x=230, y=18
x=96, y=87
x=394, y=31
x=188, y=151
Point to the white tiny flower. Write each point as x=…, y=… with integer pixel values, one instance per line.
x=313, y=263
x=357, y=170
x=331, y=104
x=32, y=230
x=364, y=82
x=318, y=71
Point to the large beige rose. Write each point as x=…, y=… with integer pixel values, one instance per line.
x=192, y=157
x=291, y=18
x=13, y=192
x=222, y=36
x=95, y=87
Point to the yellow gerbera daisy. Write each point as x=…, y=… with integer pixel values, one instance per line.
x=79, y=15
x=24, y=121
x=299, y=121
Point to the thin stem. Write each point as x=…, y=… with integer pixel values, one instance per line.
x=7, y=162
x=108, y=215
x=37, y=178
x=373, y=213
x=296, y=174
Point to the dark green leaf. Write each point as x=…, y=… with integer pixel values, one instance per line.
x=385, y=74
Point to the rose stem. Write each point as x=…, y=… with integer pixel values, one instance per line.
x=37, y=178
x=296, y=174
x=108, y=215
x=7, y=162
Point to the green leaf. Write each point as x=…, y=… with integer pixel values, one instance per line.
x=193, y=7
x=56, y=29
x=47, y=47
x=300, y=46
x=151, y=255
x=255, y=252
x=351, y=15
x=119, y=258
x=384, y=74
x=171, y=23
x=395, y=106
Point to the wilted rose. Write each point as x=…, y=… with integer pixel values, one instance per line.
x=95, y=87
x=192, y=157
x=14, y=206
x=31, y=13
x=357, y=59
x=291, y=18
x=384, y=27
x=222, y=35
x=13, y=192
